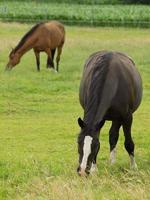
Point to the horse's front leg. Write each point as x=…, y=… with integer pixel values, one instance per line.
x=37, y=55
x=94, y=165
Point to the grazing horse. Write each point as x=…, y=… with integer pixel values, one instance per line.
x=110, y=89
x=42, y=37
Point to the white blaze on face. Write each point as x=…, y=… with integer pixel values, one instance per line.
x=86, y=151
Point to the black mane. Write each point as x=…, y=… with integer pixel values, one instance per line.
x=96, y=87
x=25, y=37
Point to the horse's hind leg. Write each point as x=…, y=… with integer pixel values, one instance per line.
x=37, y=55
x=53, y=53
x=113, y=138
x=129, y=144
x=50, y=63
x=59, y=50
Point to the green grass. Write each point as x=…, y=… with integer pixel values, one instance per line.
x=38, y=121
x=104, y=15
x=77, y=1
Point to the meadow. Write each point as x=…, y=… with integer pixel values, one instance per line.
x=38, y=121
x=81, y=14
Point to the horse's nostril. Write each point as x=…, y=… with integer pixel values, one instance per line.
x=87, y=172
x=6, y=67
x=83, y=173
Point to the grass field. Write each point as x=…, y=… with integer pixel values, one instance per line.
x=38, y=122
x=103, y=15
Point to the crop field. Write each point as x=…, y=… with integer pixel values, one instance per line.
x=38, y=121
x=104, y=15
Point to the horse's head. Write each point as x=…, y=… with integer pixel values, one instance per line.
x=14, y=59
x=88, y=147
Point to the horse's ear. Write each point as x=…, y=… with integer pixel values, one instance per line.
x=81, y=123
x=10, y=47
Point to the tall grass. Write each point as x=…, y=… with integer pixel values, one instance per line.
x=38, y=121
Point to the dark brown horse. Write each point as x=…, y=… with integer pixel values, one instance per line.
x=111, y=89
x=42, y=37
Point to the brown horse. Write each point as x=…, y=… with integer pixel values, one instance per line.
x=42, y=37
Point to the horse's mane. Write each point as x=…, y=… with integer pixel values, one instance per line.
x=96, y=86
x=25, y=37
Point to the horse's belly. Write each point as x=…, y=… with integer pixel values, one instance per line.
x=40, y=49
x=113, y=114
x=42, y=46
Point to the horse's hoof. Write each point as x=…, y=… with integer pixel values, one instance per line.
x=112, y=162
x=112, y=158
x=93, y=168
x=134, y=167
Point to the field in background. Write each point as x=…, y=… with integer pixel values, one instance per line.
x=85, y=14
x=38, y=121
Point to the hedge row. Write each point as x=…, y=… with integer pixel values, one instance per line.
x=118, y=15
x=90, y=2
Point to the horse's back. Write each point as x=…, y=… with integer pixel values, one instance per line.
x=122, y=83
x=54, y=25
x=50, y=34
x=55, y=29
x=129, y=79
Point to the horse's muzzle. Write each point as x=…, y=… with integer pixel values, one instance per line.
x=8, y=67
x=82, y=172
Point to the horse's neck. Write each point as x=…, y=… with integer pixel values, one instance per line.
x=26, y=46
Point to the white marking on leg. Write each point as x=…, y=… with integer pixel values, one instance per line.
x=93, y=168
x=133, y=164
x=86, y=151
x=112, y=158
